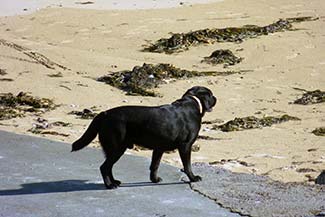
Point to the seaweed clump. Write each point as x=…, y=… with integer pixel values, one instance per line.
x=42, y=126
x=311, y=97
x=253, y=122
x=84, y=114
x=319, y=131
x=3, y=72
x=141, y=79
x=225, y=57
x=182, y=41
x=16, y=106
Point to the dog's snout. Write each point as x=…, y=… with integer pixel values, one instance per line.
x=214, y=100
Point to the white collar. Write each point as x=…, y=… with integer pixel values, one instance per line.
x=198, y=102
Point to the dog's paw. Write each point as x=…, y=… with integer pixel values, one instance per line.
x=117, y=182
x=111, y=186
x=156, y=179
x=196, y=179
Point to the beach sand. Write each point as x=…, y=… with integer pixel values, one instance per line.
x=91, y=43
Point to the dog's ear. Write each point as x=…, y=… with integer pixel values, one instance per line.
x=191, y=92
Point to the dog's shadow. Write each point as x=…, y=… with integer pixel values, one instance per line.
x=72, y=186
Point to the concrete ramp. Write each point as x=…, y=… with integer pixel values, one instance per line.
x=40, y=178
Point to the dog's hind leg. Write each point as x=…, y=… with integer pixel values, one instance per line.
x=107, y=166
x=155, y=161
x=111, y=140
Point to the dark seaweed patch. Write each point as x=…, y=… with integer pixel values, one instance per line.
x=61, y=124
x=206, y=137
x=16, y=106
x=6, y=79
x=253, y=122
x=47, y=132
x=42, y=126
x=311, y=97
x=141, y=79
x=182, y=41
x=9, y=113
x=225, y=57
x=195, y=147
x=225, y=161
x=305, y=170
x=319, y=131
x=55, y=75
x=84, y=3
x=24, y=99
x=3, y=72
x=84, y=114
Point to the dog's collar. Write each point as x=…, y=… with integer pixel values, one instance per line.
x=198, y=102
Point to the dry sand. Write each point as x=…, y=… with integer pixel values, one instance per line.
x=92, y=43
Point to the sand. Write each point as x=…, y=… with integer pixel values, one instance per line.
x=91, y=43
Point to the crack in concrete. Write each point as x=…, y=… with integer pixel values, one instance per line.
x=217, y=202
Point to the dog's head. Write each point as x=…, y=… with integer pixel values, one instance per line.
x=205, y=96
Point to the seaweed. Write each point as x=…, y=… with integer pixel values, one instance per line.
x=252, y=122
x=85, y=3
x=24, y=99
x=56, y=75
x=6, y=79
x=47, y=132
x=42, y=126
x=84, y=114
x=225, y=161
x=305, y=170
x=311, y=97
x=61, y=124
x=206, y=137
x=195, y=147
x=3, y=72
x=9, y=113
x=319, y=131
x=179, y=42
x=16, y=106
x=54, y=133
x=141, y=79
x=225, y=57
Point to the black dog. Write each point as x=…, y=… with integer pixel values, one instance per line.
x=162, y=128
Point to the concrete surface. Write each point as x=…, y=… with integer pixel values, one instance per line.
x=39, y=177
x=254, y=195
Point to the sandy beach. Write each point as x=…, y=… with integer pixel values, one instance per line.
x=58, y=52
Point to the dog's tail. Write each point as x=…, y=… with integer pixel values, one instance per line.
x=90, y=133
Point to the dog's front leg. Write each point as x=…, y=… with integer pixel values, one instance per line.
x=185, y=154
x=155, y=161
